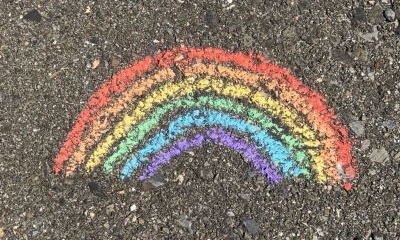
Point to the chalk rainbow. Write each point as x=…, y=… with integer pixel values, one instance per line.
x=208, y=95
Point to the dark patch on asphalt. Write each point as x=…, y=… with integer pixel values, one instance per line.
x=96, y=189
x=33, y=16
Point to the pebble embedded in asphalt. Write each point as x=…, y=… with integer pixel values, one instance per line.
x=376, y=236
x=186, y=224
x=365, y=144
x=397, y=156
x=251, y=226
x=379, y=155
x=358, y=127
x=230, y=214
x=390, y=15
x=389, y=124
x=110, y=209
x=207, y=174
x=154, y=182
x=133, y=208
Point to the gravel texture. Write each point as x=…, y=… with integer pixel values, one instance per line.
x=55, y=54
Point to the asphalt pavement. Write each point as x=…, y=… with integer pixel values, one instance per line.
x=55, y=54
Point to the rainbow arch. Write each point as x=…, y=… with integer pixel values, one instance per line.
x=247, y=103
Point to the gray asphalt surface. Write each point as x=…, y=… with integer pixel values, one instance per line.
x=347, y=50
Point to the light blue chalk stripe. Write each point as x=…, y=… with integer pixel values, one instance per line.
x=204, y=117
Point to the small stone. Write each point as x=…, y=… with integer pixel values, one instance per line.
x=133, y=208
x=361, y=55
x=141, y=221
x=370, y=36
x=110, y=209
x=397, y=156
x=365, y=144
x=95, y=63
x=94, y=40
x=2, y=233
x=251, y=226
x=389, y=124
x=153, y=182
x=245, y=196
x=185, y=223
x=206, y=174
x=191, y=153
x=390, y=15
x=29, y=216
x=92, y=215
x=15, y=228
x=33, y=16
x=180, y=178
x=379, y=155
x=358, y=127
x=379, y=64
x=376, y=236
x=248, y=40
x=106, y=225
x=251, y=174
x=320, y=232
x=230, y=214
x=121, y=192
x=372, y=172
x=88, y=9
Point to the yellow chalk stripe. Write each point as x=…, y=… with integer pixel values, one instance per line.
x=176, y=90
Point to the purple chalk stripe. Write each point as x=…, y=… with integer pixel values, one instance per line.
x=220, y=137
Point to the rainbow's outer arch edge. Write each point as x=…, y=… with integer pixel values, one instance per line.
x=184, y=56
